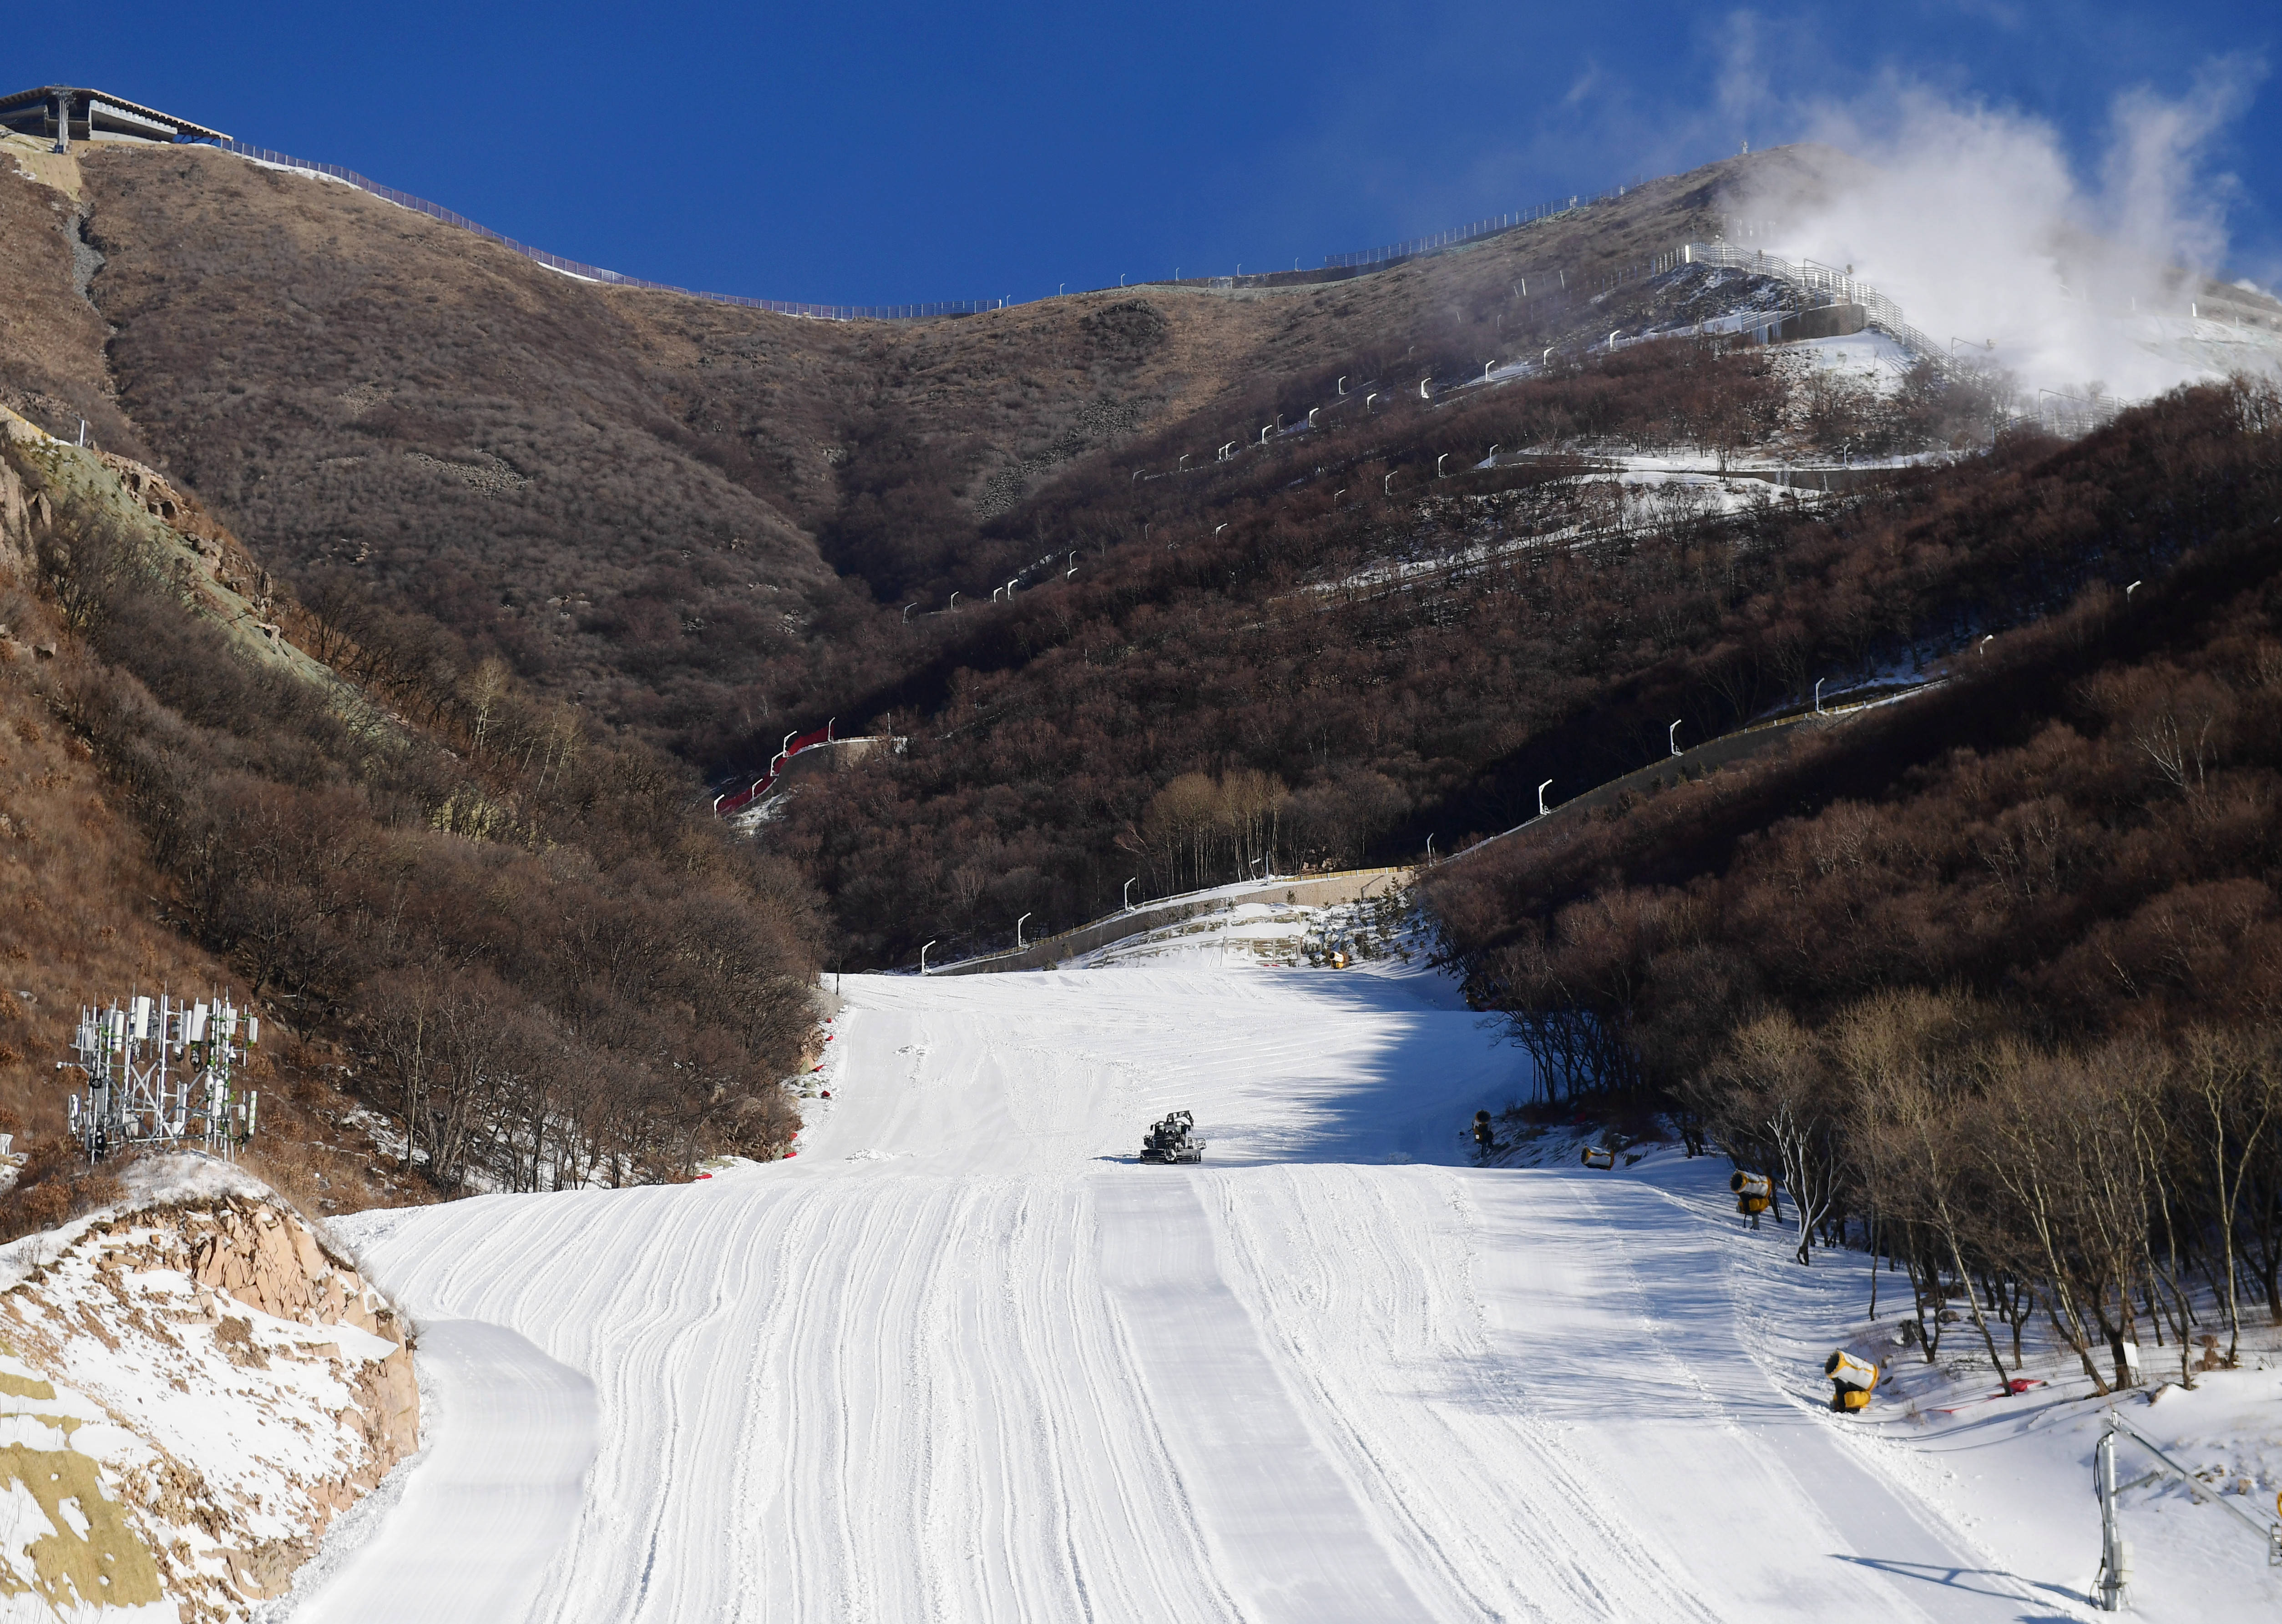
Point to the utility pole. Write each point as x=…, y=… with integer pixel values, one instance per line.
x=2111, y=1590
x=2115, y=1580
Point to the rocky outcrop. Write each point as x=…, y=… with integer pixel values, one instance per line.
x=22, y=511
x=200, y=1389
x=272, y=1260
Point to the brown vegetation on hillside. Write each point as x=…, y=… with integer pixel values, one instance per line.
x=623, y=493
x=1414, y=664
x=522, y=949
x=83, y=918
x=1999, y=972
x=50, y=336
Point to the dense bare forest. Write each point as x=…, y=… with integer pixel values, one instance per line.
x=1410, y=664
x=1992, y=981
x=521, y=950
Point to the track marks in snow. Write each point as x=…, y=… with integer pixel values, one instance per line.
x=1002, y=1373
x=1280, y=1519
x=502, y=1477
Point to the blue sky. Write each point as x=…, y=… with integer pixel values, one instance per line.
x=873, y=152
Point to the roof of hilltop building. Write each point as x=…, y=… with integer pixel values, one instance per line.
x=65, y=113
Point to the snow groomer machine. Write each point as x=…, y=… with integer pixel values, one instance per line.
x=1169, y=1140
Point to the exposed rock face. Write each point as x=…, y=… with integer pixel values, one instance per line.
x=273, y=1262
x=198, y=1390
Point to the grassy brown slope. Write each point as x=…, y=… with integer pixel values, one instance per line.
x=347, y=380
x=51, y=365
x=622, y=490
x=82, y=919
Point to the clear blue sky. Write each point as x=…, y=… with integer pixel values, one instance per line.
x=871, y=151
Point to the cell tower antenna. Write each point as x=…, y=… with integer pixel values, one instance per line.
x=155, y=1072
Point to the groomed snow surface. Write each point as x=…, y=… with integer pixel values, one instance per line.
x=964, y=1358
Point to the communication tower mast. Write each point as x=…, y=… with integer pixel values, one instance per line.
x=160, y=1072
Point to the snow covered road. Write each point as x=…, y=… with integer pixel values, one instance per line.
x=964, y=1360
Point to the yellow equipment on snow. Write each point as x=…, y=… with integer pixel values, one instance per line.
x=1600, y=1156
x=1852, y=1380
x=1755, y=1193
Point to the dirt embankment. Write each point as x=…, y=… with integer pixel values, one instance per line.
x=190, y=1393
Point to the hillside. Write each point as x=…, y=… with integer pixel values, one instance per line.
x=1301, y=572
x=380, y=611
x=221, y=788
x=640, y=499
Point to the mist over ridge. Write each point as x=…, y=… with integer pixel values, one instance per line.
x=2086, y=281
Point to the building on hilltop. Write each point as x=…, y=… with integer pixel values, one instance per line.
x=65, y=113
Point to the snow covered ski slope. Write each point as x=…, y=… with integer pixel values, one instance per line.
x=966, y=1359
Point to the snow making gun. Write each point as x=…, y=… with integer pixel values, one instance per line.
x=1852, y=1381
x=1600, y=1156
x=1169, y=1140
x=1755, y=1193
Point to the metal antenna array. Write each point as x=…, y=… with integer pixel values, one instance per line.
x=162, y=1072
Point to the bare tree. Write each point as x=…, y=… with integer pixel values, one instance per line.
x=2234, y=1080
x=1894, y=1050
x=1776, y=1074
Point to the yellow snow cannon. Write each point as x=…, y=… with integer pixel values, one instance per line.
x=1851, y=1381
x=1600, y=1156
x=1755, y=1193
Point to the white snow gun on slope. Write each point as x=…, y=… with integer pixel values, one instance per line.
x=1168, y=1141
